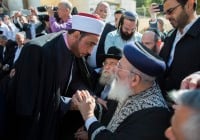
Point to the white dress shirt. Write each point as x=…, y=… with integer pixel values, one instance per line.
x=178, y=37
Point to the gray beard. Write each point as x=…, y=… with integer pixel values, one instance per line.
x=106, y=78
x=119, y=91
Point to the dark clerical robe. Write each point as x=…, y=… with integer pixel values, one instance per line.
x=144, y=116
x=42, y=75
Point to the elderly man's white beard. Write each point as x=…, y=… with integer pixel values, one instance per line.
x=106, y=78
x=119, y=91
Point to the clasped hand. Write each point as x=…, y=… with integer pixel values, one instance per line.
x=85, y=103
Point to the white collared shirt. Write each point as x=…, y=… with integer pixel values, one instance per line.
x=177, y=39
x=4, y=50
x=17, y=53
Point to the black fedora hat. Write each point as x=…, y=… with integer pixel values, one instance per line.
x=113, y=52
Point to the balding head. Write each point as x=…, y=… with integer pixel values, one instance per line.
x=102, y=9
x=149, y=39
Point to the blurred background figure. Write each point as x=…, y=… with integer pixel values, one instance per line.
x=108, y=28
x=74, y=11
x=152, y=41
x=30, y=24
x=64, y=21
x=7, y=54
x=12, y=28
x=21, y=40
x=185, y=123
x=4, y=30
x=156, y=23
x=103, y=10
x=191, y=81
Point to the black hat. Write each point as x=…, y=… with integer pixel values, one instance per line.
x=144, y=59
x=113, y=52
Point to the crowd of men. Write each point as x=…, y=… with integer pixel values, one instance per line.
x=77, y=76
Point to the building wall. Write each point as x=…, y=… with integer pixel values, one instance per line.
x=129, y=5
x=82, y=5
x=49, y=2
x=14, y=5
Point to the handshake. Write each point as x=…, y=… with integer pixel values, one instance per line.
x=84, y=102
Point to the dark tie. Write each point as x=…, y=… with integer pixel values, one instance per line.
x=9, y=27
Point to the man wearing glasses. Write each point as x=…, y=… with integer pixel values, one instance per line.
x=140, y=102
x=110, y=61
x=182, y=45
x=102, y=88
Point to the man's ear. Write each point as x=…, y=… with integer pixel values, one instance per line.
x=75, y=36
x=190, y=4
x=135, y=80
x=68, y=11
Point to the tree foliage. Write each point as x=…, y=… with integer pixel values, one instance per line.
x=147, y=3
x=198, y=7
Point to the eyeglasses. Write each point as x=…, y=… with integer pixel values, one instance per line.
x=111, y=64
x=171, y=10
x=119, y=66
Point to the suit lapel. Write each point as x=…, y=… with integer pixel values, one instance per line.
x=165, y=51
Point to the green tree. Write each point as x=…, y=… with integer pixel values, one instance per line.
x=198, y=7
x=147, y=3
x=141, y=4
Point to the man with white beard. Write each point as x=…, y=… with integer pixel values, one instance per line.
x=102, y=88
x=141, y=112
x=107, y=74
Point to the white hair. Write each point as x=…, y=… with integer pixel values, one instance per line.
x=67, y=4
x=145, y=77
x=119, y=91
x=191, y=127
x=191, y=99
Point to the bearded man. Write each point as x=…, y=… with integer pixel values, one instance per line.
x=141, y=111
x=106, y=74
x=125, y=32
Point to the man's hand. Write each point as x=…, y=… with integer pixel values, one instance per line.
x=102, y=102
x=81, y=134
x=191, y=82
x=153, y=11
x=5, y=67
x=85, y=103
x=12, y=73
x=50, y=11
x=73, y=106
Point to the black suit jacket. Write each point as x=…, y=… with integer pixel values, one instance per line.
x=7, y=57
x=39, y=28
x=42, y=71
x=11, y=47
x=100, y=49
x=1, y=54
x=9, y=53
x=186, y=57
